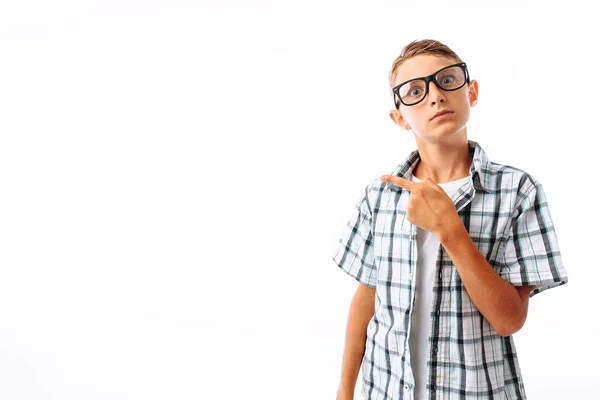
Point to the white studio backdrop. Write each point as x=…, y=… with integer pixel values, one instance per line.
x=174, y=177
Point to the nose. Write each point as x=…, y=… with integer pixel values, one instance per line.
x=435, y=93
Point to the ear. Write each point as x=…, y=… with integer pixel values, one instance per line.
x=399, y=120
x=473, y=92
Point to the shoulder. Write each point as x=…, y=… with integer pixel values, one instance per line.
x=517, y=188
x=511, y=180
x=372, y=194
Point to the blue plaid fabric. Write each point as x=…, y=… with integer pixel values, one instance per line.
x=506, y=214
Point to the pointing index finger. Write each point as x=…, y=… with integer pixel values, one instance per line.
x=402, y=182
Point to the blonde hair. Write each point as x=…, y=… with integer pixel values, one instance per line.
x=420, y=47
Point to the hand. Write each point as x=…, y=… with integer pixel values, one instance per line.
x=429, y=207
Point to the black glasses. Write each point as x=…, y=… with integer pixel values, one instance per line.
x=449, y=78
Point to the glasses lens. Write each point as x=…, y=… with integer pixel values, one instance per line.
x=451, y=78
x=412, y=92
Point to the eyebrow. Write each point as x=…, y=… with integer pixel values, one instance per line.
x=424, y=76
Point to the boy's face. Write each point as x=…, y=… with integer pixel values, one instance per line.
x=419, y=117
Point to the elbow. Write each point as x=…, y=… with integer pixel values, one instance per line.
x=509, y=327
x=506, y=331
x=512, y=321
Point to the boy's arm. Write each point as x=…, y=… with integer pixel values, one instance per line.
x=361, y=311
x=531, y=257
x=502, y=304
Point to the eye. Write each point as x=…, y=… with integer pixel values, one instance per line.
x=447, y=80
x=414, y=92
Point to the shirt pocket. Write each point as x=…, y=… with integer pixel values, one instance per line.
x=486, y=224
x=487, y=236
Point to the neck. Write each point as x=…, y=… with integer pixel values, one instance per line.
x=443, y=162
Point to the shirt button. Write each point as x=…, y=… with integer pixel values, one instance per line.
x=435, y=349
x=437, y=312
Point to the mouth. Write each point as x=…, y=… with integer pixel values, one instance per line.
x=442, y=115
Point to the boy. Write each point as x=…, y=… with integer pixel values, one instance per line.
x=447, y=250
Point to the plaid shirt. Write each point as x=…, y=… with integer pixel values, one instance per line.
x=506, y=214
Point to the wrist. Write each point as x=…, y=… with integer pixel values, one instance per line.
x=451, y=230
x=345, y=394
x=346, y=389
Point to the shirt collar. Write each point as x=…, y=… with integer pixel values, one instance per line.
x=479, y=166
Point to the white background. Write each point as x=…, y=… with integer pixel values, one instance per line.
x=174, y=177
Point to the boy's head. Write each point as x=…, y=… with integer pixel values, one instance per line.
x=418, y=101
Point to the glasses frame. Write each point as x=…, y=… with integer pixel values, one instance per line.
x=427, y=79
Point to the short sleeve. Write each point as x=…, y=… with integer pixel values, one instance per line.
x=531, y=254
x=354, y=252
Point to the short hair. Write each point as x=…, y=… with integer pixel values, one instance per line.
x=420, y=47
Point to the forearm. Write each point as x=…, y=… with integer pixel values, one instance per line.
x=361, y=311
x=497, y=300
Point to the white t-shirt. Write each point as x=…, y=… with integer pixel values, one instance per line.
x=428, y=246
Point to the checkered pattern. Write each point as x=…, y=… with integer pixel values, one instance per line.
x=507, y=216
